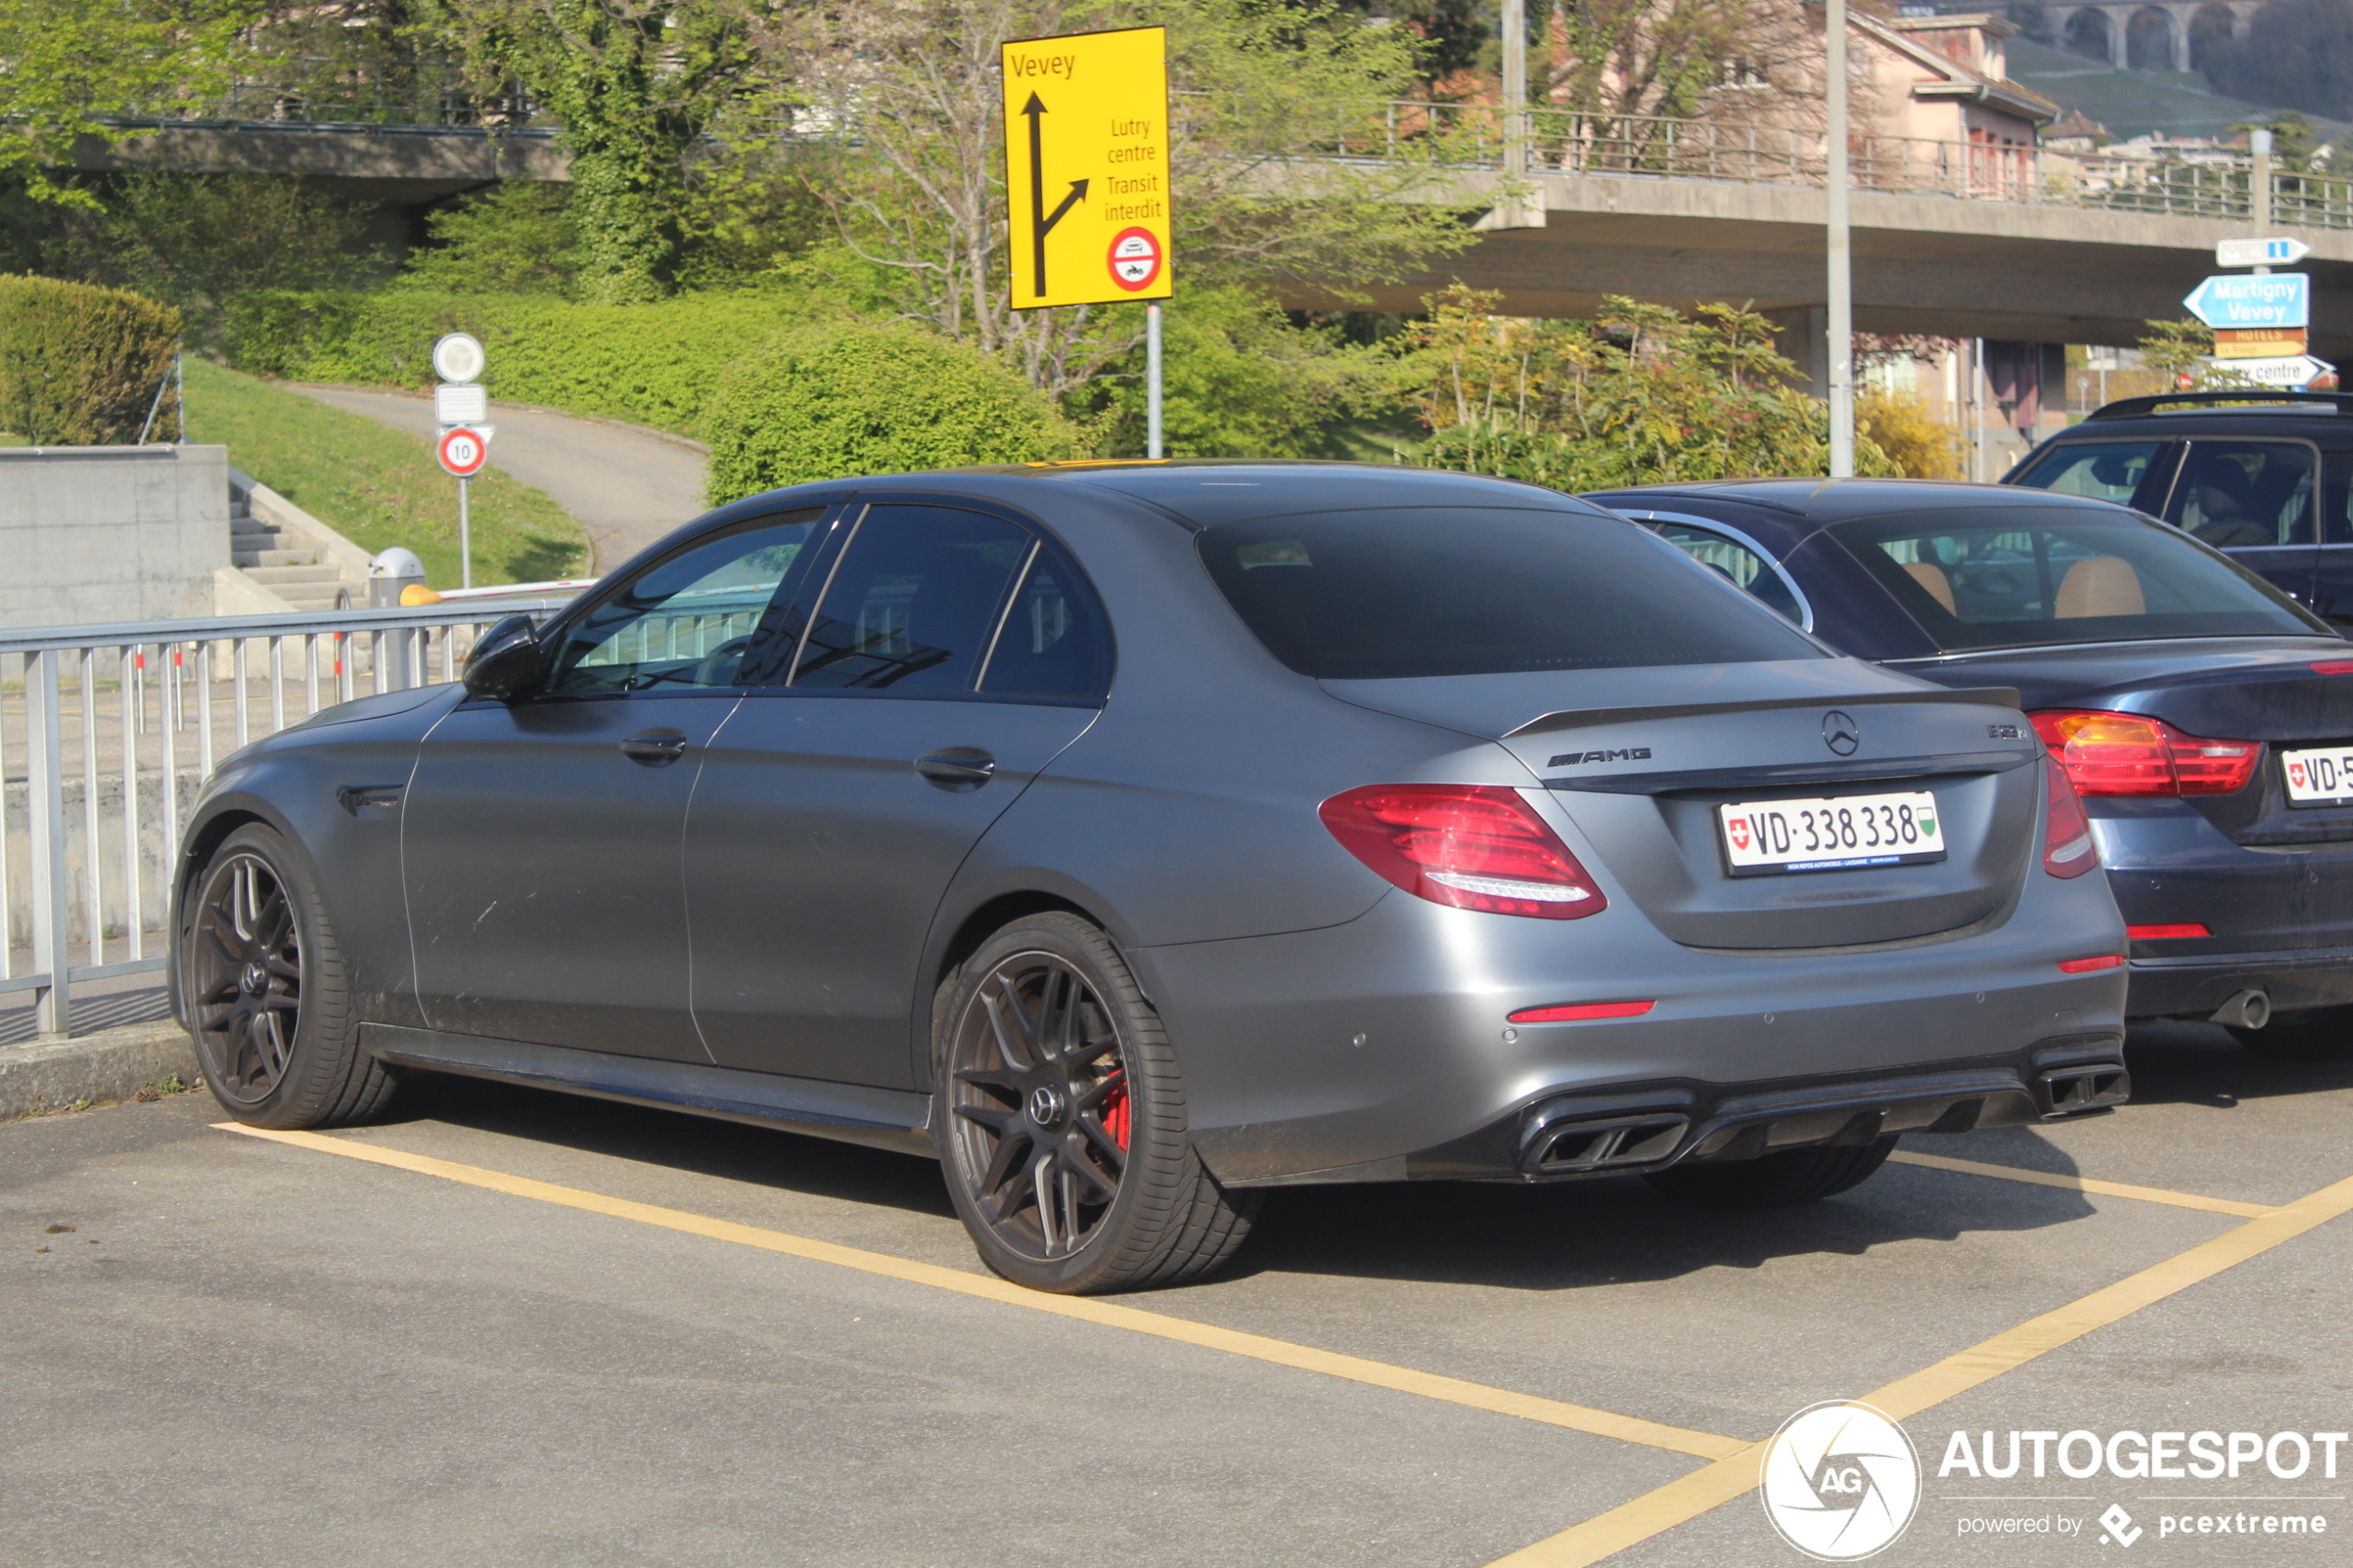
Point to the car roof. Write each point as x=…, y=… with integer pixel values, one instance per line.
x=1795, y=507
x=1197, y=492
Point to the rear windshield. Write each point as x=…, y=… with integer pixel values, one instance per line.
x=2022, y=577
x=1379, y=595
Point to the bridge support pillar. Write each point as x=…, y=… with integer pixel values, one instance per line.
x=1801, y=335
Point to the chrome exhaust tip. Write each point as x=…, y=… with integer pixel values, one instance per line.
x=2250, y=1008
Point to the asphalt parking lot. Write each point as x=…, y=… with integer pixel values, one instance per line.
x=511, y=1327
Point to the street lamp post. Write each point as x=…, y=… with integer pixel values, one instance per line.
x=1841, y=324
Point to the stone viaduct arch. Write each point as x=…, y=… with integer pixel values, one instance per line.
x=2149, y=35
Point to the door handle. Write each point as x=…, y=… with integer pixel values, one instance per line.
x=958, y=768
x=655, y=748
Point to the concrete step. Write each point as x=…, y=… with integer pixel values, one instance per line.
x=315, y=596
x=240, y=556
x=275, y=576
x=252, y=528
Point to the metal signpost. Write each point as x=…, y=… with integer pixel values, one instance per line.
x=462, y=408
x=1087, y=178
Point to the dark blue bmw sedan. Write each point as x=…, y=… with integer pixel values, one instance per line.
x=2206, y=719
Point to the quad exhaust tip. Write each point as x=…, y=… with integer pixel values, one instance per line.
x=1558, y=1147
x=2250, y=1008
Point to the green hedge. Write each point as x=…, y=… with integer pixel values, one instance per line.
x=80, y=366
x=654, y=364
x=839, y=400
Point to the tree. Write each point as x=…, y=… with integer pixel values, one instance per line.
x=914, y=173
x=2185, y=348
x=1639, y=395
x=68, y=69
x=2298, y=53
x=636, y=84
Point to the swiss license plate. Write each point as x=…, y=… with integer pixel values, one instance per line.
x=1824, y=835
x=2324, y=777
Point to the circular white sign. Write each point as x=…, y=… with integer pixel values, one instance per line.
x=1841, y=1481
x=458, y=358
x=463, y=451
x=1135, y=258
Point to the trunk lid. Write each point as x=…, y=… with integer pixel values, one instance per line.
x=1641, y=759
x=2232, y=689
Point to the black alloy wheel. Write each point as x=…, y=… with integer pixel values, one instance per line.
x=244, y=975
x=1062, y=1121
x=264, y=991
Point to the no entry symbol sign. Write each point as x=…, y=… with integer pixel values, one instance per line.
x=1135, y=259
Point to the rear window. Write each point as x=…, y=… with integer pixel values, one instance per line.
x=2019, y=577
x=1379, y=595
x=2106, y=470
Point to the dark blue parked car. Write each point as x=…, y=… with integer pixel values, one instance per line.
x=2206, y=719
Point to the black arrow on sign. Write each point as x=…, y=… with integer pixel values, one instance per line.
x=1042, y=222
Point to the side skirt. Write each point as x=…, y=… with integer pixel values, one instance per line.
x=891, y=1119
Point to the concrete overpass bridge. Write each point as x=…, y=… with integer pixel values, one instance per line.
x=1951, y=239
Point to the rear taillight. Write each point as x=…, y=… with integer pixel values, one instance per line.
x=2068, y=849
x=1473, y=847
x=2129, y=754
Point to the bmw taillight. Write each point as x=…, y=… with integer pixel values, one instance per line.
x=2130, y=754
x=2068, y=849
x=1473, y=847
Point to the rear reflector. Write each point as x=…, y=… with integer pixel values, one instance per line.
x=2132, y=754
x=2333, y=666
x=2085, y=966
x=2165, y=932
x=2068, y=849
x=1571, y=1012
x=1472, y=847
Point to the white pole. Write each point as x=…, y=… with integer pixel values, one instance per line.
x=1152, y=380
x=2260, y=187
x=1841, y=299
x=1515, y=161
x=466, y=537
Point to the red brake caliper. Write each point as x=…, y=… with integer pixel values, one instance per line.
x=1115, y=1112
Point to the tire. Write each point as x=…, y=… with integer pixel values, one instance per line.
x=268, y=1001
x=1774, y=1181
x=2315, y=1034
x=1060, y=1120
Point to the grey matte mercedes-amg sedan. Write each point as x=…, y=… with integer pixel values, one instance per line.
x=1135, y=837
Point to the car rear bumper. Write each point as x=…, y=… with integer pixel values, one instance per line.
x=2194, y=988
x=1385, y=1050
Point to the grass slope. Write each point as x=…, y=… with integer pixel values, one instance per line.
x=377, y=487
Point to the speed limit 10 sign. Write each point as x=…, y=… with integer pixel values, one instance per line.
x=463, y=451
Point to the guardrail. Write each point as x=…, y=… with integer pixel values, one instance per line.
x=2198, y=184
x=108, y=732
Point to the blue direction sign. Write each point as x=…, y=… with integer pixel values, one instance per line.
x=2276, y=299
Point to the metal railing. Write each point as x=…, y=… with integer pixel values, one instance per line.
x=108, y=732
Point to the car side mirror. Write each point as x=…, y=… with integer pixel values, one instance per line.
x=507, y=662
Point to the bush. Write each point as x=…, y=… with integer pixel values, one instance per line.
x=80, y=366
x=655, y=364
x=1916, y=441
x=838, y=400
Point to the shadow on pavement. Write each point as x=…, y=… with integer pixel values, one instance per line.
x=1560, y=1237
x=2201, y=1064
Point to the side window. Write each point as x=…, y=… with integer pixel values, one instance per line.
x=1053, y=643
x=686, y=620
x=2245, y=493
x=912, y=605
x=1738, y=565
x=2106, y=470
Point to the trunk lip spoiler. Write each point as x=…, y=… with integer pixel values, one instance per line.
x=1589, y=718
x=1787, y=775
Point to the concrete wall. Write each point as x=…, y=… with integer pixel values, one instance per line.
x=94, y=534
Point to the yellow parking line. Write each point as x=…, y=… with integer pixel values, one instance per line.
x=1354, y=1369
x=2085, y=1183
x=1692, y=1495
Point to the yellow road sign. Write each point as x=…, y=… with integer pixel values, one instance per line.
x=1087, y=167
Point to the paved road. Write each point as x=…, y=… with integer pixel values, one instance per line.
x=272, y=1352
x=627, y=486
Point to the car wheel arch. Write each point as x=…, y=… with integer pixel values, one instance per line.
x=965, y=938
